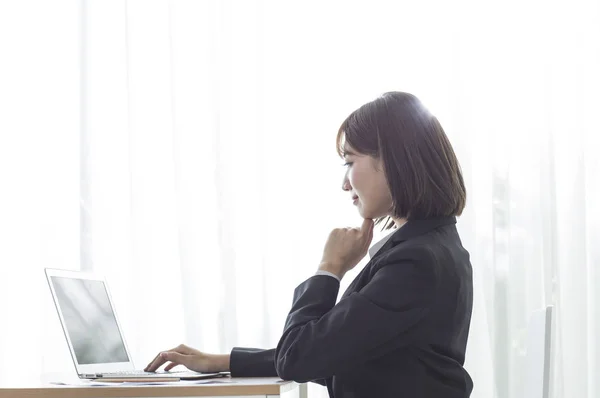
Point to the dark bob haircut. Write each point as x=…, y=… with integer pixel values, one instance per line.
x=421, y=168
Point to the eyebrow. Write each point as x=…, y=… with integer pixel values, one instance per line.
x=347, y=153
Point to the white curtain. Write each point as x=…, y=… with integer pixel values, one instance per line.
x=185, y=149
x=39, y=178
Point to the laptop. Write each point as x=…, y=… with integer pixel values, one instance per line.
x=93, y=332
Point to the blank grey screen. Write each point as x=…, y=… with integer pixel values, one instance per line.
x=89, y=320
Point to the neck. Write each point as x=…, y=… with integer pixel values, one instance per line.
x=399, y=222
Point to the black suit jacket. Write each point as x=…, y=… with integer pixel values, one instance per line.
x=400, y=329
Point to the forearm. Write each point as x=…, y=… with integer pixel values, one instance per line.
x=221, y=363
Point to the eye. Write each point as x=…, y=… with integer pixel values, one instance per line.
x=348, y=164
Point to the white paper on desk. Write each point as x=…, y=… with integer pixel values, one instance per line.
x=145, y=383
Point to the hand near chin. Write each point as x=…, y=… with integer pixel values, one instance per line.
x=345, y=248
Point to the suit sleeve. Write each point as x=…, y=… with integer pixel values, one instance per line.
x=255, y=362
x=252, y=362
x=322, y=339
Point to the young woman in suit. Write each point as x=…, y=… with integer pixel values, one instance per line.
x=401, y=327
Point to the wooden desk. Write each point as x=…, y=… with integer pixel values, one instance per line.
x=263, y=387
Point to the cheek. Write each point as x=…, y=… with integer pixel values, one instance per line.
x=357, y=180
x=362, y=182
x=372, y=189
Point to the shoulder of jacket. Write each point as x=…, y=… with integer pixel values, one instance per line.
x=409, y=252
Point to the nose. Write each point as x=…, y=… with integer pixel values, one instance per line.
x=346, y=183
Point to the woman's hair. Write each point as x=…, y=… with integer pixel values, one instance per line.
x=421, y=169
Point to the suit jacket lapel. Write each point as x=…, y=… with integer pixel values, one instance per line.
x=411, y=229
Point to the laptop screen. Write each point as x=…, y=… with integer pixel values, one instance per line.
x=90, y=321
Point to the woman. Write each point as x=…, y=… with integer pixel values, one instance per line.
x=401, y=327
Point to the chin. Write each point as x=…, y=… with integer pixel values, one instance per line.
x=365, y=213
x=373, y=215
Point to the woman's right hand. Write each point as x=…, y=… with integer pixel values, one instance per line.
x=191, y=359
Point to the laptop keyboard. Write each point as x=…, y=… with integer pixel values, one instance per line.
x=129, y=373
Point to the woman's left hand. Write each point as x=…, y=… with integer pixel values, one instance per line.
x=345, y=248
